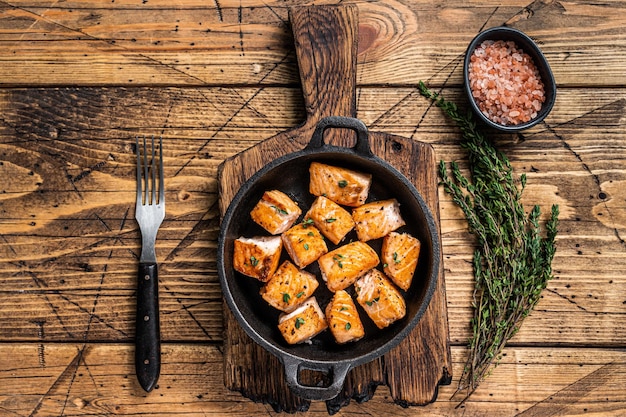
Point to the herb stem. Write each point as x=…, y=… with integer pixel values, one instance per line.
x=512, y=260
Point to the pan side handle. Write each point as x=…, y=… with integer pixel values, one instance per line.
x=362, y=146
x=338, y=371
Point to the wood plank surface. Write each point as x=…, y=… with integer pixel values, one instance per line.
x=55, y=257
x=194, y=43
x=97, y=379
x=79, y=79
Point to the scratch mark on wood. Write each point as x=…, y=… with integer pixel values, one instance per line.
x=271, y=9
x=79, y=358
x=578, y=306
x=616, y=107
x=40, y=347
x=240, y=21
x=108, y=42
x=46, y=291
x=495, y=10
x=41, y=284
x=189, y=312
x=559, y=402
x=62, y=376
x=8, y=244
x=246, y=104
x=218, y=9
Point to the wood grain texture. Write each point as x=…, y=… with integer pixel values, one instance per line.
x=79, y=79
x=197, y=43
x=97, y=379
x=69, y=225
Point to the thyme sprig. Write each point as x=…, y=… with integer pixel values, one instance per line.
x=512, y=260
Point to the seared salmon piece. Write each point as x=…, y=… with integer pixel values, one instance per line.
x=400, y=252
x=304, y=243
x=377, y=219
x=275, y=212
x=343, y=318
x=289, y=287
x=343, y=186
x=344, y=265
x=303, y=323
x=382, y=302
x=257, y=257
x=330, y=218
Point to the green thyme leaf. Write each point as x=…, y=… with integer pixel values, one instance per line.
x=342, y=184
x=512, y=260
x=299, y=322
x=254, y=261
x=286, y=297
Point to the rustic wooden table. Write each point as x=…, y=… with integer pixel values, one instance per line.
x=78, y=81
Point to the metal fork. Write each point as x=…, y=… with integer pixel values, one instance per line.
x=149, y=213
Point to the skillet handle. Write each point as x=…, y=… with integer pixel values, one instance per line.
x=362, y=146
x=339, y=371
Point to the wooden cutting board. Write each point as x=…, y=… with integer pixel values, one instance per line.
x=325, y=40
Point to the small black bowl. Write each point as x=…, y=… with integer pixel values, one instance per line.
x=525, y=43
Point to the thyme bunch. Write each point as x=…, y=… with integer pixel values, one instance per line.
x=512, y=260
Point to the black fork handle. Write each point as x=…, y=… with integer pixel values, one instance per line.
x=147, y=333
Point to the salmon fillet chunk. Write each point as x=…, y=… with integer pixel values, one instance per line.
x=382, y=302
x=289, y=287
x=377, y=219
x=257, y=257
x=343, y=318
x=343, y=186
x=400, y=253
x=304, y=243
x=302, y=324
x=341, y=267
x=275, y=212
x=330, y=218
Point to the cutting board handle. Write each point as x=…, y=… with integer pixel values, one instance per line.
x=325, y=39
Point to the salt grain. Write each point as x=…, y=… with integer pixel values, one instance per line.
x=505, y=83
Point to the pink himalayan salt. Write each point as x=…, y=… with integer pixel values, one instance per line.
x=505, y=83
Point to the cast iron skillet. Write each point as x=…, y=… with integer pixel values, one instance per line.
x=290, y=174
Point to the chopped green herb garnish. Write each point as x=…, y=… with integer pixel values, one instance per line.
x=286, y=297
x=279, y=210
x=307, y=222
x=300, y=294
x=330, y=220
x=254, y=261
x=375, y=300
x=306, y=246
x=348, y=326
x=342, y=184
x=343, y=308
x=396, y=258
x=337, y=258
x=299, y=322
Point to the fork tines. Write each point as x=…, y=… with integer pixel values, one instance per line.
x=146, y=182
